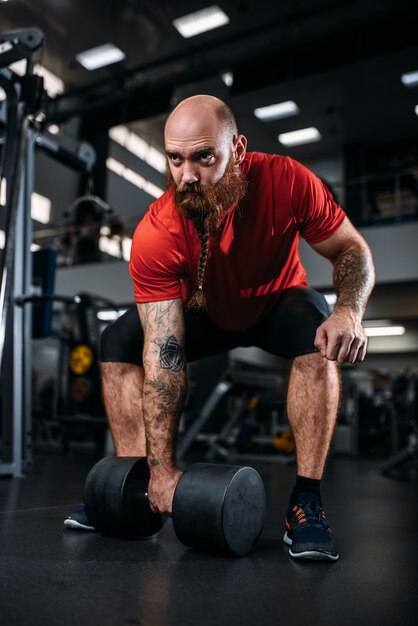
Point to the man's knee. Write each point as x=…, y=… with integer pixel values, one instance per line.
x=317, y=367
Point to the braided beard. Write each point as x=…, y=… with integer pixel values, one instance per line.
x=206, y=204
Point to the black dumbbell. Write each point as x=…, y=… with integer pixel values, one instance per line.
x=220, y=508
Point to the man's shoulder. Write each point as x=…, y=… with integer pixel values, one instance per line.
x=162, y=205
x=163, y=211
x=258, y=161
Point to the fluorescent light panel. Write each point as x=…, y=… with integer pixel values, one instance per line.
x=133, y=177
x=140, y=148
x=40, y=208
x=331, y=298
x=2, y=239
x=384, y=331
x=200, y=21
x=110, y=246
x=299, y=137
x=410, y=79
x=110, y=315
x=107, y=54
x=416, y=110
x=114, y=248
x=277, y=111
x=126, y=248
x=3, y=186
x=228, y=78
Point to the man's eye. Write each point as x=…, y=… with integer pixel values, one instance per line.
x=206, y=156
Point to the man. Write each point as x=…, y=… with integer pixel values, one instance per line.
x=215, y=265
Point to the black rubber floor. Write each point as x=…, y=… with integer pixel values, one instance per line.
x=51, y=576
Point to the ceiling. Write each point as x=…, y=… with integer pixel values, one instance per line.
x=340, y=61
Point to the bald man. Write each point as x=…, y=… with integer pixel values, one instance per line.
x=215, y=265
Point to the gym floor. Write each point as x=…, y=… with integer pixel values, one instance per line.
x=52, y=576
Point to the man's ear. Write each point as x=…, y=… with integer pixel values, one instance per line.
x=240, y=148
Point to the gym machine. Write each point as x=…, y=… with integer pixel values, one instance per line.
x=20, y=137
x=248, y=386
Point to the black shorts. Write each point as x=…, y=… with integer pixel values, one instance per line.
x=288, y=331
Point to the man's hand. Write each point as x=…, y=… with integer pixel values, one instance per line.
x=161, y=487
x=341, y=337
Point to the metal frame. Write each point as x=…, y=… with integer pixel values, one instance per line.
x=18, y=169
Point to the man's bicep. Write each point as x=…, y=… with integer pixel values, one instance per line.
x=346, y=236
x=163, y=327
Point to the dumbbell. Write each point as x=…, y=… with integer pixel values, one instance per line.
x=218, y=508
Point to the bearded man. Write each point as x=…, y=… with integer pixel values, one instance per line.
x=215, y=265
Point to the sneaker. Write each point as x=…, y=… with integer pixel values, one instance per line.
x=78, y=520
x=307, y=530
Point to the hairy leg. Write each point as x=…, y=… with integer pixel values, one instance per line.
x=312, y=405
x=122, y=393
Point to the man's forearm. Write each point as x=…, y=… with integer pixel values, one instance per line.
x=162, y=404
x=353, y=277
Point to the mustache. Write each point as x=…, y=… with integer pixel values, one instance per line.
x=194, y=188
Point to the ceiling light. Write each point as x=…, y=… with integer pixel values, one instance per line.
x=200, y=21
x=54, y=129
x=99, y=57
x=384, y=331
x=3, y=186
x=110, y=246
x=410, y=79
x=40, y=208
x=140, y=148
x=228, y=78
x=277, y=111
x=416, y=110
x=133, y=177
x=2, y=239
x=126, y=248
x=299, y=137
x=331, y=298
x=110, y=315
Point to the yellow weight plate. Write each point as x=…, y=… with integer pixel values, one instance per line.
x=81, y=359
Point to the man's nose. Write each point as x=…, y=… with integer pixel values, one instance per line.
x=189, y=174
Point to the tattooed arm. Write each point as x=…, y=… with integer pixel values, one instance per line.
x=163, y=395
x=342, y=338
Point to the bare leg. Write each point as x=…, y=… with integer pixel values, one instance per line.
x=122, y=393
x=312, y=405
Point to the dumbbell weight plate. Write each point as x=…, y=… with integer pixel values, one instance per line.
x=115, y=498
x=219, y=508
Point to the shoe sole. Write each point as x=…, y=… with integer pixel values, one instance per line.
x=310, y=555
x=74, y=525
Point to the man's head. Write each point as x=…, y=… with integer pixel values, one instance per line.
x=204, y=151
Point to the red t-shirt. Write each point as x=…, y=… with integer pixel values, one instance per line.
x=253, y=256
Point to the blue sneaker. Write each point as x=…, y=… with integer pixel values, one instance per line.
x=307, y=531
x=78, y=520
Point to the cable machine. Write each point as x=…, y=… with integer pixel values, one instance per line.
x=25, y=98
